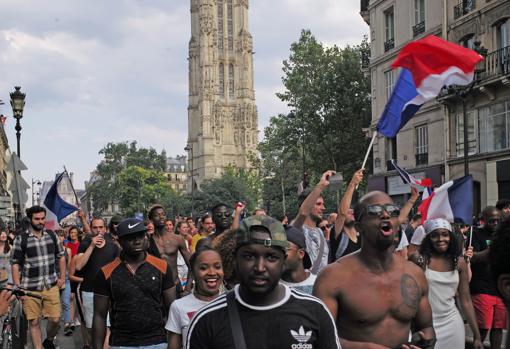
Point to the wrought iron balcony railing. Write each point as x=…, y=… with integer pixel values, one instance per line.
x=419, y=28
x=497, y=63
x=422, y=159
x=463, y=8
x=389, y=44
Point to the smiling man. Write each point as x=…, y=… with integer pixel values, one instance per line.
x=260, y=311
x=133, y=288
x=374, y=295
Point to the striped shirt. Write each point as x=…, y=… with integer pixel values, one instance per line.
x=297, y=321
x=37, y=262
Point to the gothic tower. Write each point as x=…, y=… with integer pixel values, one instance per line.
x=222, y=115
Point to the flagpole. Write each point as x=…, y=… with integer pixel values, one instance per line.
x=471, y=236
x=72, y=187
x=368, y=151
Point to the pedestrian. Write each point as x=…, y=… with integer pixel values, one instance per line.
x=95, y=251
x=503, y=205
x=165, y=244
x=296, y=273
x=208, y=276
x=73, y=242
x=137, y=289
x=500, y=264
x=447, y=276
x=490, y=311
x=206, y=228
x=182, y=228
x=373, y=292
x=169, y=224
x=112, y=225
x=36, y=254
x=5, y=260
x=65, y=291
x=311, y=209
x=260, y=311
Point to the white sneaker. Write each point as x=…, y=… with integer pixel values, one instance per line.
x=76, y=322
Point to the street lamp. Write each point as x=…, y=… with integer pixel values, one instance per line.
x=35, y=182
x=189, y=149
x=17, y=104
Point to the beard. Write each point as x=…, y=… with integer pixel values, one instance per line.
x=349, y=224
x=37, y=227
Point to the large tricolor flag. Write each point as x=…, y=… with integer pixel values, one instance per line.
x=452, y=201
x=408, y=178
x=55, y=203
x=427, y=65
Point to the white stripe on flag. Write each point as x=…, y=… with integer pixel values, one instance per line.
x=440, y=204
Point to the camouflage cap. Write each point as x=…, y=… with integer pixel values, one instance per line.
x=275, y=228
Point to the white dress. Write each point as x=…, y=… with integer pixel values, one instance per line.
x=448, y=324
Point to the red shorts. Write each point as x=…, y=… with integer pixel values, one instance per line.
x=490, y=311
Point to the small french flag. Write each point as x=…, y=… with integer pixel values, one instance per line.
x=407, y=178
x=452, y=201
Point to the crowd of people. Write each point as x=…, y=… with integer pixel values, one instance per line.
x=370, y=275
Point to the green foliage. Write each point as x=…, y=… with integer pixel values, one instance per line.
x=329, y=97
x=130, y=176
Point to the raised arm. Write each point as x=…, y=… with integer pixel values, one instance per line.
x=84, y=223
x=404, y=212
x=308, y=204
x=237, y=215
x=346, y=201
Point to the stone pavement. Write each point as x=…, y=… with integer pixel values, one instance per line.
x=63, y=342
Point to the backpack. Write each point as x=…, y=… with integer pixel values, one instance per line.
x=24, y=240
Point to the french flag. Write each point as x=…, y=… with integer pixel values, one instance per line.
x=427, y=65
x=452, y=201
x=55, y=203
x=408, y=178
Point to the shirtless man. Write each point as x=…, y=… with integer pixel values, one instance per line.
x=374, y=295
x=165, y=244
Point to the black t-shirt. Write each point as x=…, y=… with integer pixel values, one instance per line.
x=99, y=258
x=334, y=244
x=136, y=301
x=298, y=321
x=482, y=281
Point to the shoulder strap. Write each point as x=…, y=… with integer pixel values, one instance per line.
x=24, y=241
x=235, y=321
x=344, y=242
x=317, y=262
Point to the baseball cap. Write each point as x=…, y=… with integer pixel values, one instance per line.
x=275, y=228
x=130, y=226
x=297, y=237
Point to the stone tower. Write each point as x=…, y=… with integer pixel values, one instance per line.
x=222, y=115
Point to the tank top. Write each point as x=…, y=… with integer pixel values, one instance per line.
x=442, y=289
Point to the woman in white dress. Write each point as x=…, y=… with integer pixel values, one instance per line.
x=447, y=275
x=207, y=271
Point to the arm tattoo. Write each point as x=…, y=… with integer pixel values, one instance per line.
x=410, y=291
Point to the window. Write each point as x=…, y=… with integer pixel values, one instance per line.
x=389, y=78
x=222, y=80
x=231, y=81
x=422, y=145
x=230, y=25
x=220, y=24
x=459, y=131
x=468, y=41
x=502, y=29
x=419, y=11
x=389, y=29
x=494, y=123
x=391, y=152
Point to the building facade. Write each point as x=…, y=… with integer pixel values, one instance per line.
x=177, y=173
x=432, y=143
x=222, y=115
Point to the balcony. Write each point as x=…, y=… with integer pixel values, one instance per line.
x=419, y=29
x=422, y=159
x=497, y=63
x=389, y=44
x=463, y=8
x=364, y=10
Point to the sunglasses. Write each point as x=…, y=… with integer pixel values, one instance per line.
x=324, y=227
x=377, y=210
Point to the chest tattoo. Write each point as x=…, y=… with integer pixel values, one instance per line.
x=410, y=291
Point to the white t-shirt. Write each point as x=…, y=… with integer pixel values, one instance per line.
x=418, y=236
x=181, y=312
x=305, y=286
x=403, y=242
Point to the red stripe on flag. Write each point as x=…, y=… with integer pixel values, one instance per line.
x=424, y=207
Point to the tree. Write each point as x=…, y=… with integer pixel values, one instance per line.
x=106, y=186
x=329, y=97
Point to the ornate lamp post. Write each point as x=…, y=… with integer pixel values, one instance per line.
x=17, y=104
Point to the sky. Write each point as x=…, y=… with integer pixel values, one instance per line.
x=100, y=71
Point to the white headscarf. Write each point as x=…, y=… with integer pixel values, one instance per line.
x=438, y=223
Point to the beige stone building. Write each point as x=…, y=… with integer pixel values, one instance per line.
x=222, y=115
x=177, y=172
x=432, y=143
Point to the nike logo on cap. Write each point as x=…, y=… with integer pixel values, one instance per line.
x=132, y=226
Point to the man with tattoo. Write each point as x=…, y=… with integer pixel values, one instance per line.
x=165, y=244
x=373, y=294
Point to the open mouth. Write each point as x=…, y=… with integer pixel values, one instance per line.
x=212, y=283
x=386, y=228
